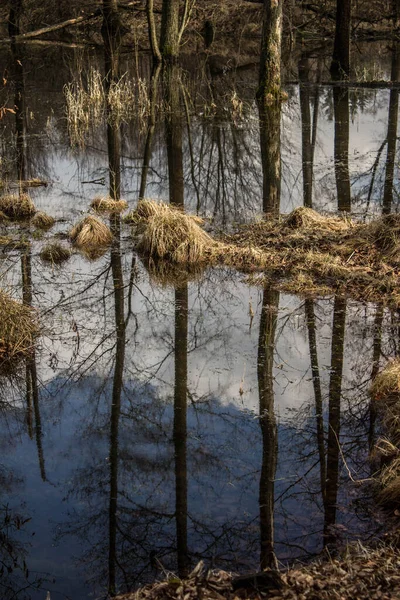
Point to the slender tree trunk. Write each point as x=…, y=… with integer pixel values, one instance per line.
x=340, y=66
x=265, y=364
x=270, y=145
x=170, y=29
x=14, y=17
x=312, y=342
x=150, y=130
x=269, y=89
x=118, y=283
x=341, y=147
x=173, y=133
x=180, y=426
x=152, y=31
x=306, y=154
x=392, y=133
x=335, y=393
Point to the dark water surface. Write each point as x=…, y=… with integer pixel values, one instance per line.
x=200, y=420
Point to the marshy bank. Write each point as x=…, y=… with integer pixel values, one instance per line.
x=361, y=574
x=303, y=252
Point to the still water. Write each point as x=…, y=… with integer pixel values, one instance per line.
x=210, y=419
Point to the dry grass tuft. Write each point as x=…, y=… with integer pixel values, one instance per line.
x=385, y=392
x=169, y=234
x=387, y=383
x=17, y=207
x=107, y=204
x=18, y=328
x=55, y=253
x=41, y=220
x=307, y=218
x=91, y=235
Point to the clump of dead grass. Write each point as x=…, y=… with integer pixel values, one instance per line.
x=18, y=328
x=55, y=253
x=170, y=234
x=106, y=204
x=307, y=218
x=17, y=207
x=91, y=235
x=42, y=220
x=386, y=385
x=385, y=392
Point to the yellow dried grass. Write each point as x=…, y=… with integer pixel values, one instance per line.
x=91, y=234
x=107, y=204
x=55, y=253
x=18, y=328
x=42, y=220
x=387, y=382
x=170, y=234
x=17, y=206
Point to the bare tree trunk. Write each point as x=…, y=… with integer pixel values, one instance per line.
x=111, y=29
x=150, y=130
x=306, y=147
x=14, y=17
x=340, y=66
x=391, y=133
x=270, y=60
x=170, y=29
x=312, y=343
x=152, y=31
x=341, y=147
x=335, y=393
x=180, y=426
x=265, y=364
x=173, y=133
x=270, y=145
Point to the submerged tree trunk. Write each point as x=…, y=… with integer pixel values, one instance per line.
x=340, y=66
x=269, y=89
x=180, y=426
x=392, y=133
x=341, y=147
x=265, y=364
x=312, y=343
x=335, y=393
x=170, y=29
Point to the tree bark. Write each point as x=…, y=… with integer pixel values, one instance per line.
x=14, y=18
x=270, y=145
x=335, y=393
x=152, y=31
x=180, y=426
x=269, y=432
x=270, y=60
x=170, y=29
x=341, y=147
x=340, y=66
x=391, y=133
